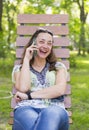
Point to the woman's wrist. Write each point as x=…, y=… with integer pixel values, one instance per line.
x=26, y=60
x=29, y=95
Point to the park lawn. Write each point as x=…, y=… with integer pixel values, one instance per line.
x=5, y=87
x=80, y=93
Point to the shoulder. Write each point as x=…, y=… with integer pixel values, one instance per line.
x=60, y=65
x=17, y=68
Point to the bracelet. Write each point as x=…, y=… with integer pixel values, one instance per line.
x=29, y=94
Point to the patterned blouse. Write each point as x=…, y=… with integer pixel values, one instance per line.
x=40, y=80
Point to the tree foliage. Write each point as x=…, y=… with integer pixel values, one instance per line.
x=77, y=9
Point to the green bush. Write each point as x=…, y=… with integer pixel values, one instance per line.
x=72, y=60
x=6, y=66
x=70, y=47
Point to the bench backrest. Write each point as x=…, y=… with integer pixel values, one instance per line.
x=58, y=24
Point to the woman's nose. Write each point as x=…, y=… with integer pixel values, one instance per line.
x=45, y=45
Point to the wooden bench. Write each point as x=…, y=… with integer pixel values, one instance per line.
x=58, y=24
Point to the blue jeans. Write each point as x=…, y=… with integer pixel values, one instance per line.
x=50, y=118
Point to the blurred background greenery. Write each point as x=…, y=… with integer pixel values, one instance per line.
x=78, y=11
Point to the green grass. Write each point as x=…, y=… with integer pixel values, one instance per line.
x=80, y=94
x=5, y=87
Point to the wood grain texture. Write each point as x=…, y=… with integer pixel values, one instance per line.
x=43, y=18
x=29, y=30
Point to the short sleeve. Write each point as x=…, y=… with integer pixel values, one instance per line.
x=60, y=65
x=16, y=68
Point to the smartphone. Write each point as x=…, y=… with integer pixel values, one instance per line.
x=35, y=51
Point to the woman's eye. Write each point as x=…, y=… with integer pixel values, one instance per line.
x=41, y=42
x=50, y=43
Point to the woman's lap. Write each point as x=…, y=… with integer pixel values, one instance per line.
x=50, y=118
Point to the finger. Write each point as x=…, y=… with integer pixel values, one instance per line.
x=18, y=97
x=35, y=49
x=33, y=46
x=32, y=50
x=18, y=100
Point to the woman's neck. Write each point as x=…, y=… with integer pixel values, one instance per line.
x=39, y=62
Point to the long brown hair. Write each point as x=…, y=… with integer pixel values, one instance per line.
x=51, y=59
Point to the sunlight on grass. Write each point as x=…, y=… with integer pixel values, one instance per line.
x=83, y=61
x=73, y=52
x=5, y=127
x=83, y=85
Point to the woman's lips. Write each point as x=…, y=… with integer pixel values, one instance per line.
x=43, y=52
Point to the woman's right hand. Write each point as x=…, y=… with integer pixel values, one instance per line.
x=29, y=51
x=19, y=96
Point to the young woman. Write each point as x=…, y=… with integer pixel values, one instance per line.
x=41, y=83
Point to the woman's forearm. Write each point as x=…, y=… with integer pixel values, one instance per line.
x=50, y=92
x=25, y=81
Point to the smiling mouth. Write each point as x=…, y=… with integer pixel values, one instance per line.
x=43, y=51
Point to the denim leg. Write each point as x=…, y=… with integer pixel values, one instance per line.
x=25, y=118
x=52, y=118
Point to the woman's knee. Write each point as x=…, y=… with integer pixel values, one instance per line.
x=54, y=115
x=56, y=112
x=25, y=112
x=25, y=116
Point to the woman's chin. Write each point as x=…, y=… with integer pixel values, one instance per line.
x=42, y=55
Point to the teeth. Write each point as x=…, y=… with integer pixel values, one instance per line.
x=43, y=51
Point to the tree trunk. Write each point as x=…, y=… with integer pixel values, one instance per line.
x=9, y=25
x=82, y=45
x=83, y=16
x=1, y=7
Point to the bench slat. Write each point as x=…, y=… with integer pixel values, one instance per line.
x=67, y=102
x=42, y=18
x=58, y=41
x=60, y=52
x=29, y=30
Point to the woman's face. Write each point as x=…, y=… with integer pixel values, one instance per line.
x=44, y=43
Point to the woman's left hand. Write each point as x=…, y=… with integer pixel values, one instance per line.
x=19, y=96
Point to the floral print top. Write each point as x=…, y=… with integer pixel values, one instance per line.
x=40, y=80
